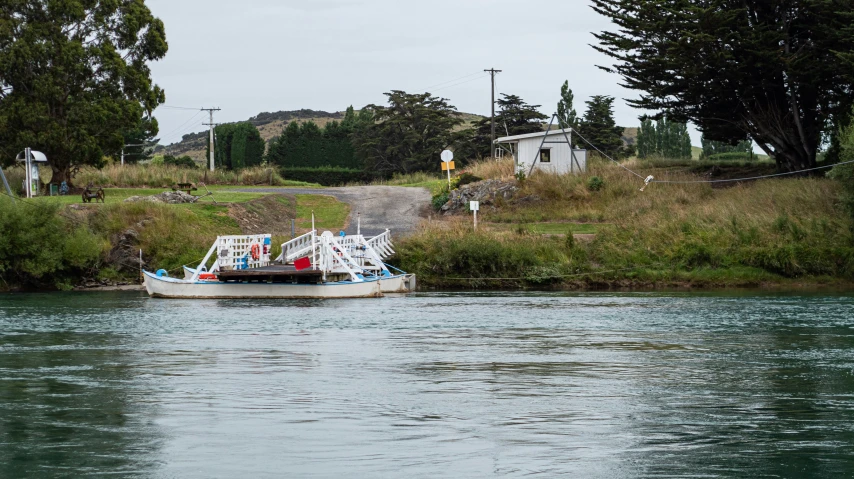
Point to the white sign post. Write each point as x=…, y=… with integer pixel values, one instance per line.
x=447, y=157
x=474, y=206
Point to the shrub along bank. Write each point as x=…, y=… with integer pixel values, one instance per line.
x=328, y=175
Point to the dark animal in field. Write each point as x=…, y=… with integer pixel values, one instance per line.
x=89, y=195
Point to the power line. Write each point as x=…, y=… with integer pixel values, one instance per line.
x=460, y=83
x=449, y=81
x=166, y=135
x=757, y=177
x=178, y=137
x=177, y=107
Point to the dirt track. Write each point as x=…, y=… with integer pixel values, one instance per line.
x=397, y=208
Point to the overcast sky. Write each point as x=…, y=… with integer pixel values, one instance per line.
x=269, y=55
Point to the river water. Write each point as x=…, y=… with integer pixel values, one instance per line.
x=428, y=385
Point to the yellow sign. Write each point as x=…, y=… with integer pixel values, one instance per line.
x=447, y=166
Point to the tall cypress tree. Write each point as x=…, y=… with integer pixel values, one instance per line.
x=646, y=143
x=781, y=73
x=565, y=112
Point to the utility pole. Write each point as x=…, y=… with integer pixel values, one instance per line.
x=212, y=125
x=492, y=72
x=123, y=150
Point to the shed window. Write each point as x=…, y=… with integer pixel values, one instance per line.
x=545, y=156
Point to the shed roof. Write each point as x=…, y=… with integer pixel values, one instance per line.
x=515, y=138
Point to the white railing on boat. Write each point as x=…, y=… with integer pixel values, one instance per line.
x=381, y=243
x=297, y=248
x=237, y=252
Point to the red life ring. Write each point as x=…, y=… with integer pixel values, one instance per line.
x=206, y=276
x=256, y=251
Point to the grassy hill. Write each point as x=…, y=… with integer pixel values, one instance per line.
x=269, y=125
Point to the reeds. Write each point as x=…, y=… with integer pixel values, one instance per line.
x=157, y=176
x=489, y=168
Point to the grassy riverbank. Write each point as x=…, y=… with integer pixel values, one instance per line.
x=780, y=231
x=50, y=244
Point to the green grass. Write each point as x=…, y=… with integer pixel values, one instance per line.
x=329, y=213
x=221, y=193
x=548, y=228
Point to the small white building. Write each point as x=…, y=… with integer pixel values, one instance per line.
x=553, y=154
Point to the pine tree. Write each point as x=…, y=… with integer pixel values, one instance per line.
x=514, y=117
x=599, y=128
x=566, y=115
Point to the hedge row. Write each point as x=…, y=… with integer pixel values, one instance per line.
x=329, y=175
x=733, y=156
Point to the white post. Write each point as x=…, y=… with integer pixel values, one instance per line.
x=123, y=157
x=313, y=243
x=449, y=177
x=475, y=220
x=28, y=189
x=358, y=224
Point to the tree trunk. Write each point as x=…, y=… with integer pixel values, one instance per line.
x=61, y=174
x=793, y=159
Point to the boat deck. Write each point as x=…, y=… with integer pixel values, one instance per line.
x=279, y=273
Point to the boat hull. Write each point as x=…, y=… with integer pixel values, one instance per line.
x=401, y=283
x=164, y=287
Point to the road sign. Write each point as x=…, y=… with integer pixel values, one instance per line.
x=447, y=156
x=474, y=205
x=448, y=166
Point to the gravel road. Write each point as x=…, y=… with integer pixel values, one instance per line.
x=398, y=208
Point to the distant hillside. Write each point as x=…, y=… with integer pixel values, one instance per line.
x=270, y=125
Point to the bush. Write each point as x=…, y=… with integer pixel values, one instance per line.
x=844, y=174
x=328, y=175
x=181, y=161
x=595, y=183
x=40, y=248
x=439, y=200
x=733, y=156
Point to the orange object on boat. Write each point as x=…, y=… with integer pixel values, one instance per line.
x=204, y=276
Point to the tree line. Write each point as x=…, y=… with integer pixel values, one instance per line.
x=75, y=82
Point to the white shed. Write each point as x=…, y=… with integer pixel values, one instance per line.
x=553, y=155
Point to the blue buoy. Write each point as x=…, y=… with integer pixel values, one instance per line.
x=342, y=233
x=162, y=272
